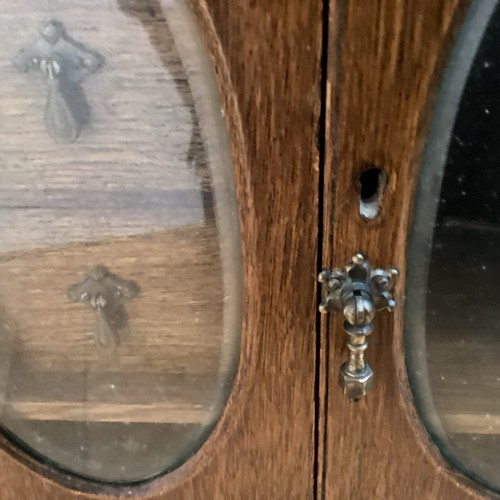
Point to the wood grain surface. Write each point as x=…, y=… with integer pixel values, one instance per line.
x=266, y=57
x=385, y=59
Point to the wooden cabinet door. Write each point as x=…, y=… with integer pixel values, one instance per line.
x=314, y=94
x=386, y=63
x=266, y=56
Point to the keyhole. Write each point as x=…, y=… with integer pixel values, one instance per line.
x=372, y=183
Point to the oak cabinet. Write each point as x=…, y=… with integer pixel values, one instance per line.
x=253, y=147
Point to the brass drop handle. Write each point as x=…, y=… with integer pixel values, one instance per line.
x=357, y=291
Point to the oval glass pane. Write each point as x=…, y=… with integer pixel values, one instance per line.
x=453, y=276
x=120, y=253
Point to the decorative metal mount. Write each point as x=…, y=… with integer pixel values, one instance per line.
x=357, y=291
x=106, y=295
x=64, y=63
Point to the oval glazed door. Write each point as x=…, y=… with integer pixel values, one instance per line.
x=160, y=180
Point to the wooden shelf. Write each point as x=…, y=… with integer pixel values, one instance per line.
x=104, y=397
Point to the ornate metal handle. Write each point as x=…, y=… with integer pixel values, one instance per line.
x=64, y=63
x=357, y=291
x=106, y=295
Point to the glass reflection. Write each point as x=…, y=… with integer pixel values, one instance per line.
x=120, y=324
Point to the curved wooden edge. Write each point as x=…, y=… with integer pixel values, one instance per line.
x=384, y=66
x=267, y=61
